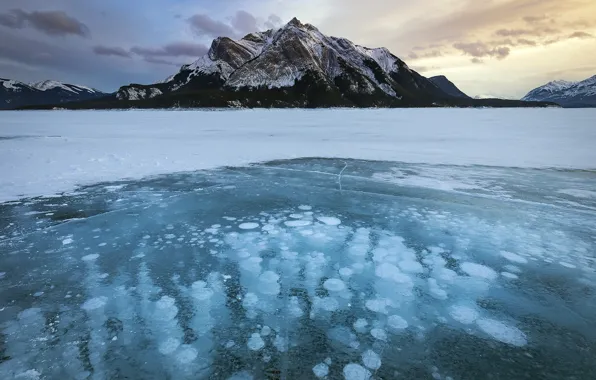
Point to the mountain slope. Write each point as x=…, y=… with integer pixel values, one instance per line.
x=14, y=94
x=448, y=87
x=567, y=94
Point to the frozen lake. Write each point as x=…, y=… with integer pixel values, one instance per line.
x=337, y=268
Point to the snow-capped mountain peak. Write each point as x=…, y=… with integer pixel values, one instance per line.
x=51, y=85
x=296, y=54
x=15, y=94
x=566, y=93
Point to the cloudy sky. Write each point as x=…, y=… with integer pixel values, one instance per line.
x=487, y=47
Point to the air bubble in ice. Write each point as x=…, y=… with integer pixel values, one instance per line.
x=90, y=257
x=94, y=303
x=513, y=257
x=169, y=346
x=379, y=334
x=329, y=220
x=334, y=285
x=320, y=370
x=478, y=270
x=255, y=342
x=463, y=314
x=396, y=322
x=355, y=371
x=502, y=332
x=371, y=359
x=248, y=226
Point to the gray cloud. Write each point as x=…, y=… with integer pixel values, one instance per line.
x=526, y=42
x=481, y=49
x=430, y=54
x=273, y=22
x=535, y=19
x=160, y=61
x=52, y=23
x=477, y=61
x=580, y=35
x=176, y=49
x=203, y=25
x=526, y=32
x=111, y=51
x=244, y=22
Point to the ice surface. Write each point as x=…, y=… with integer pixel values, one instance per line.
x=75, y=148
x=413, y=283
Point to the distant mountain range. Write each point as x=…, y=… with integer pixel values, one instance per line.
x=14, y=94
x=567, y=94
x=294, y=66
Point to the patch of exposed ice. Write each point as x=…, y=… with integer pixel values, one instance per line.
x=91, y=257
x=396, y=322
x=329, y=220
x=478, y=270
x=371, y=359
x=355, y=371
x=567, y=265
x=305, y=208
x=248, y=226
x=334, y=285
x=502, y=332
x=321, y=370
x=255, y=342
x=463, y=314
x=514, y=257
x=67, y=241
x=94, y=303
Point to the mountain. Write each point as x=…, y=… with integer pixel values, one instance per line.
x=15, y=94
x=567, y=94
x=448, y=87
x=293, y=66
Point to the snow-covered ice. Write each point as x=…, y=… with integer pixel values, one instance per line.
x=58, y=150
